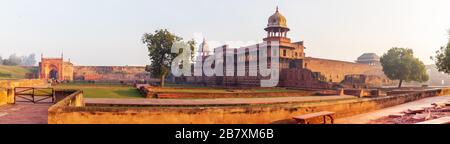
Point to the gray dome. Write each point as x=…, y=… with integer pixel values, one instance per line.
x=368, y=58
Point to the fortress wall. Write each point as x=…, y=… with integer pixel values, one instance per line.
x=254, y=114
x=300, y=78
x=68, y=71
x=109, y=73
x=7, y=88
x=316, y=74
x=335, y=71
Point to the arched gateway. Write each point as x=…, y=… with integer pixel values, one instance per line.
x=55, y=69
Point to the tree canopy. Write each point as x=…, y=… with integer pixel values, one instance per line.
x=15, y=60
x=442, y=58
x=159, y=46
x=400, y=64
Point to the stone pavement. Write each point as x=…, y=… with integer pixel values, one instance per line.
x=28, y=113
x=368, y=117
x=24, y=113
x=211, y=102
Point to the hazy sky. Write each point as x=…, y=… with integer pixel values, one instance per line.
x=108, y=32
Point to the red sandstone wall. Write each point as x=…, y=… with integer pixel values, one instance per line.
x=301, y=78
x=110, y=73
x=335, y=71
x=317, y=74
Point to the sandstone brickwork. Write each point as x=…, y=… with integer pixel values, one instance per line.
x=69, y=112
x=58, y=69
x=7, y=88
x=110, y=73
x=335, y=71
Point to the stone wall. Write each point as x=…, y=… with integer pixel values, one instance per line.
x=7, y=88
x=110, y=73
x=365, y=81
x=311, y=73
x=255, y=114
x=161, y=93
x=302, y=78
x=335, y=71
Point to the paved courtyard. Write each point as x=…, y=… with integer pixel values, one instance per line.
x=29, y=113
x=24, y=113
x=371, y=116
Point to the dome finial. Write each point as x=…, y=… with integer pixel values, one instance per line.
x=277, y=9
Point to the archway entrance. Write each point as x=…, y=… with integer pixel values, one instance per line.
x=53, y=74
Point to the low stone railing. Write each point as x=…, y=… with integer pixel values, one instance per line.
x=73, y=100
x=157, y=92
x=72, y=110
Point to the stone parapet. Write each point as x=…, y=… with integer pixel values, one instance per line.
x=254, y=114
x=7, y=88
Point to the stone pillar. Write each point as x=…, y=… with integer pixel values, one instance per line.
x=79, y=100
x=10, y=96
x=340, y=92
x=3, y=96
x=381, y=93
x=361, y=93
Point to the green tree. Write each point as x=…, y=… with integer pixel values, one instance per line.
x=400, y=64
x=159, y=46
x=13, y=60
x=442, y=58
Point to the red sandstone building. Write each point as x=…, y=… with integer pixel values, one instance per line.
x=296, y=70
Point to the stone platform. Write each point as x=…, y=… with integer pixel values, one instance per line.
x=368, y=118
x=24, y=113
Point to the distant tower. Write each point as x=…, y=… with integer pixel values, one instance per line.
x=204, y=49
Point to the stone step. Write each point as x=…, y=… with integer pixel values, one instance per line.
x=439, y=104
x=397, y=115
x=442, y=120
x=414, y=110
x=3, y=114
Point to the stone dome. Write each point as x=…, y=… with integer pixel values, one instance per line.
x=368, y=58
x=277, y=20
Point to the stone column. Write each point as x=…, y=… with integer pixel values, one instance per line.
x=10, y=96
x=361, y=93
x=340, y=92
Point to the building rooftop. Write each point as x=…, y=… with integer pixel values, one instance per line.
x=368, y=57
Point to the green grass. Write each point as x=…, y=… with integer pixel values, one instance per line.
x=103, y=90
x=13, y=72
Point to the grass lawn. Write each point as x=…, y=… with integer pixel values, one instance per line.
x=103, y=90
x=13, y=72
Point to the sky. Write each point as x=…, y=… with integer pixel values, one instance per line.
x=108, y=32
